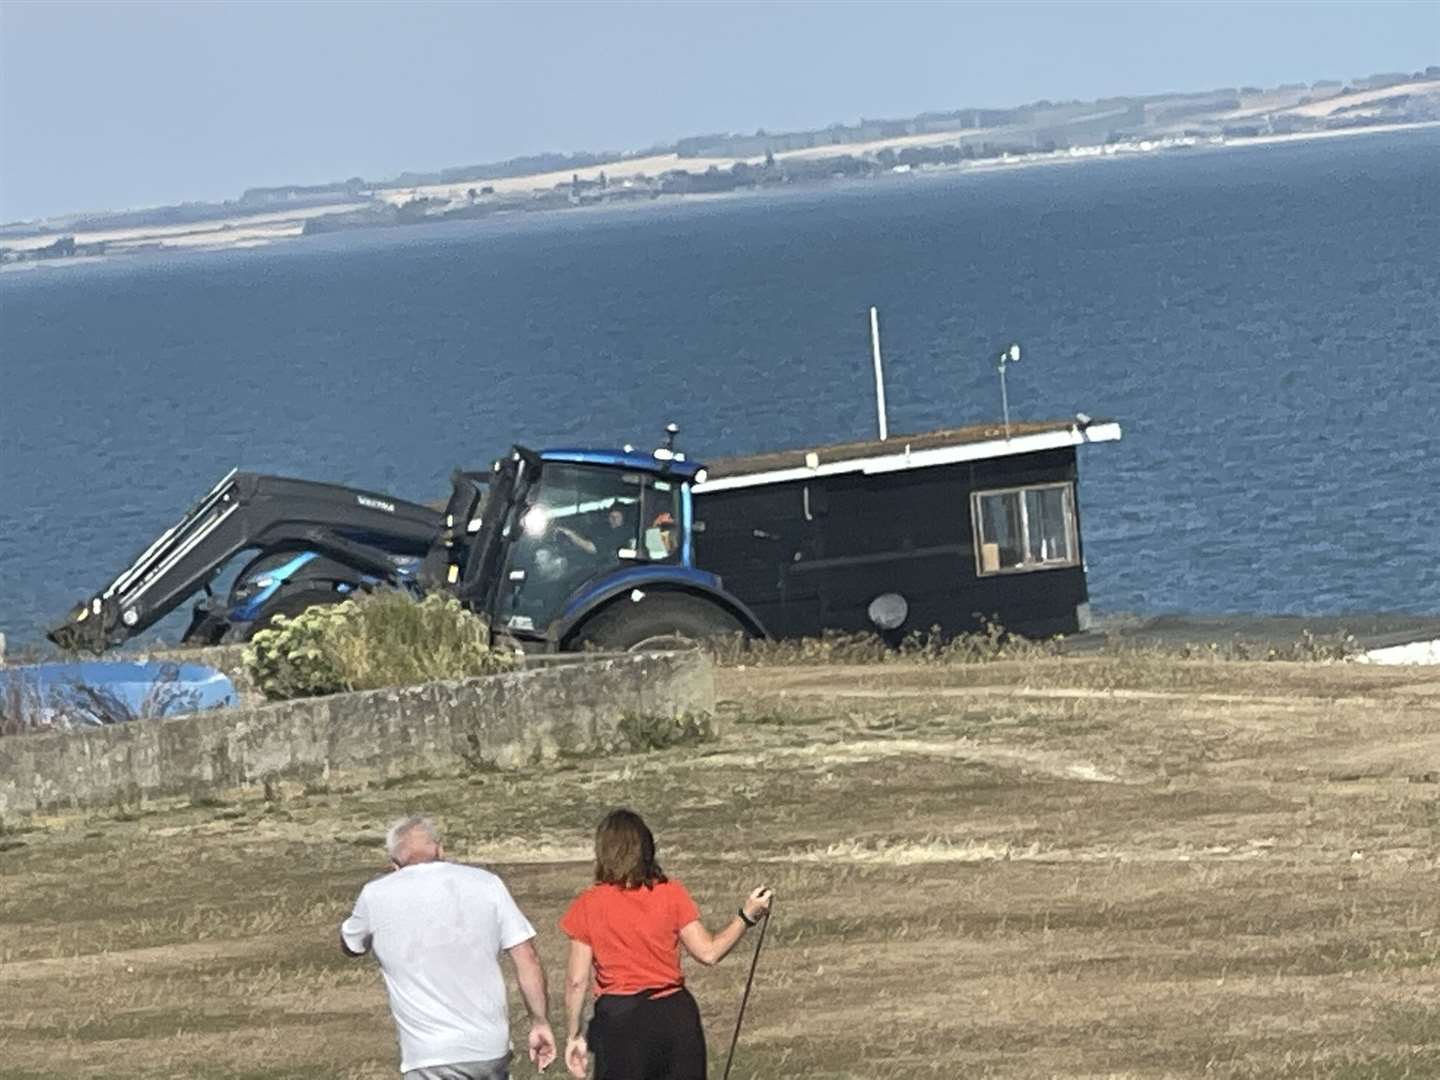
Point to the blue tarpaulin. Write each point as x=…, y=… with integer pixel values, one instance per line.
x=57, y=694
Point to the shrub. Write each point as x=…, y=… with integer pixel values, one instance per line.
x=385, y=639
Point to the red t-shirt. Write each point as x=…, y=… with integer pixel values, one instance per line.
x=634, y=934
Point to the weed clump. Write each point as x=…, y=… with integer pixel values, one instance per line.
x=386, y=639
x=991, y=643
x=1306, y=649
x=640, y=732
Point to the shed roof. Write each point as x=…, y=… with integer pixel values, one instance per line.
x=977, y=442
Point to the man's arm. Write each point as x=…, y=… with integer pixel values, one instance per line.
x=585, y=545
x=355, y=935
x=348, y=951
x=530, y=977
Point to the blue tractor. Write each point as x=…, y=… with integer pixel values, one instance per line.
x=567, y=549
x=560, y=549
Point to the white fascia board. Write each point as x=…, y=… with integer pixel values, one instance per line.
x=920, y=459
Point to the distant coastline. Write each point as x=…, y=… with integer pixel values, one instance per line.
x=968, y=140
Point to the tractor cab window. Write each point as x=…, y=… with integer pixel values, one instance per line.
x=578, y=523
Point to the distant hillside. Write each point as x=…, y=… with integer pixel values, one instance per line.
x=705, y=164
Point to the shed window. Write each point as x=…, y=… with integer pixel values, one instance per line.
x=1029, y=528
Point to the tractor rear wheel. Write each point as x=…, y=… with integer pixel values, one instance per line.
x=657, y=621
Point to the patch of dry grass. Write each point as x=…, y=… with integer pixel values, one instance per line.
x=1035, y=868
x=993, y=644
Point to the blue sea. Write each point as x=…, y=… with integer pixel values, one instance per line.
x=1263, y=322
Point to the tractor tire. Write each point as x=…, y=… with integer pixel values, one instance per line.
x=659, y=621
x=292, y=604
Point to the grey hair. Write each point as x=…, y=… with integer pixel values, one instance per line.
x=401, y=829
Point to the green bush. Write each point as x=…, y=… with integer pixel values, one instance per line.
x=385, y=639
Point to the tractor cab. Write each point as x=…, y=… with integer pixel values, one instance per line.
x=559, y=534
x=585, y=517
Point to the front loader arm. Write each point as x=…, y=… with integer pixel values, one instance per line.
x=243, y=511
x=173, y=567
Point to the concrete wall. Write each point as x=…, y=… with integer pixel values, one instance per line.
x=501, y=721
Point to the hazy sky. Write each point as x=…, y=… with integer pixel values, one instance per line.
x=126, y=104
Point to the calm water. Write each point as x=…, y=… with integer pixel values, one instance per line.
x=1264, y=323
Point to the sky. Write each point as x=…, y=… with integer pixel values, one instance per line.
x=116, y=105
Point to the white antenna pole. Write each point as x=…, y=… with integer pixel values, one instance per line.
x=1004, y=400
x=879, y=374
x=1010, y=355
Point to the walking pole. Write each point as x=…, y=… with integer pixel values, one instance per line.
x=730, y=1057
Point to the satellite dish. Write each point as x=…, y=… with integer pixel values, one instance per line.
x=888, y=611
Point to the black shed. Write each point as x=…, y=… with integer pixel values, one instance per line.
x=949, y=528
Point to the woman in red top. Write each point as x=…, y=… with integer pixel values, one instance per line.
x=627, y=929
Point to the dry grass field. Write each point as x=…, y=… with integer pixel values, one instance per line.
x=1108, y=867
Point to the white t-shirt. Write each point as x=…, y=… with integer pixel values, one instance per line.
x=438, y=929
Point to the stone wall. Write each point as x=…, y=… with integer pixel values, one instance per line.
x=496, y=722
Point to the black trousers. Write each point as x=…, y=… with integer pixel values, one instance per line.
x=640, y=1037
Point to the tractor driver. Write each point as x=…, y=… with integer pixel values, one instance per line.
x=611, y=534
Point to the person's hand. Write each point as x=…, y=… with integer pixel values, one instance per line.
x=542, y=1045
x=577, y=1056
x=757, y=904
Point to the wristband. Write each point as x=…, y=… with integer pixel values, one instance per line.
x=746, y=918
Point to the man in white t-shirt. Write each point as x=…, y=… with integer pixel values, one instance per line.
x=438, y=929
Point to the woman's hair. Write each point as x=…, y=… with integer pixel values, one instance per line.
x=625, y=852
